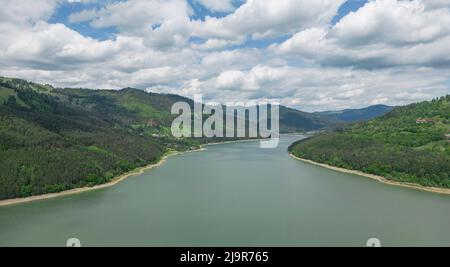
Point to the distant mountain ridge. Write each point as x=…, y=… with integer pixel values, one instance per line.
x=356, y=115
x=293, y=120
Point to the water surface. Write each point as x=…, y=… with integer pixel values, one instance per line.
x=235, y=195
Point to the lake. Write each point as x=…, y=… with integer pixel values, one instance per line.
x=235, y=195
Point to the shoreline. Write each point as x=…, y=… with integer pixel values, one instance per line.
x=113, y=182
x=229, y=142
x=381, y=179
x=117, y=180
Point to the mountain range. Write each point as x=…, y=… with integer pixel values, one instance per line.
x=355, y=115
x=56, y=139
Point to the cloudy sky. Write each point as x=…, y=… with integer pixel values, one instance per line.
x=313, y=55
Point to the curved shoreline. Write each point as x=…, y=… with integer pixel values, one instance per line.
x=381, y=179
x=113, y=182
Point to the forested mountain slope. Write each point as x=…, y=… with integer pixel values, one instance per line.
x=409, y=144
x=292, y=121
x=53, y=140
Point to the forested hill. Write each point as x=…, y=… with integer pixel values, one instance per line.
x=53, y=140
x=292, y=120
x=409, y=144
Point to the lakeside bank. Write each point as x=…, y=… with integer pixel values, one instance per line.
x=115, y=181
x=381, y=179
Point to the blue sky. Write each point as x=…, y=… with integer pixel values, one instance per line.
x=305, y=54
x=347, y=7
x=63, y=12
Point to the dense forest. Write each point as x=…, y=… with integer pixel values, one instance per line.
x=409, y=144
x=56, y=139
x=53, y=140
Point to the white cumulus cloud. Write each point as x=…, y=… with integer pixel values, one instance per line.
x=387, y=52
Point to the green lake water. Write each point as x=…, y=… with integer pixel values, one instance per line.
x=234, y=195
